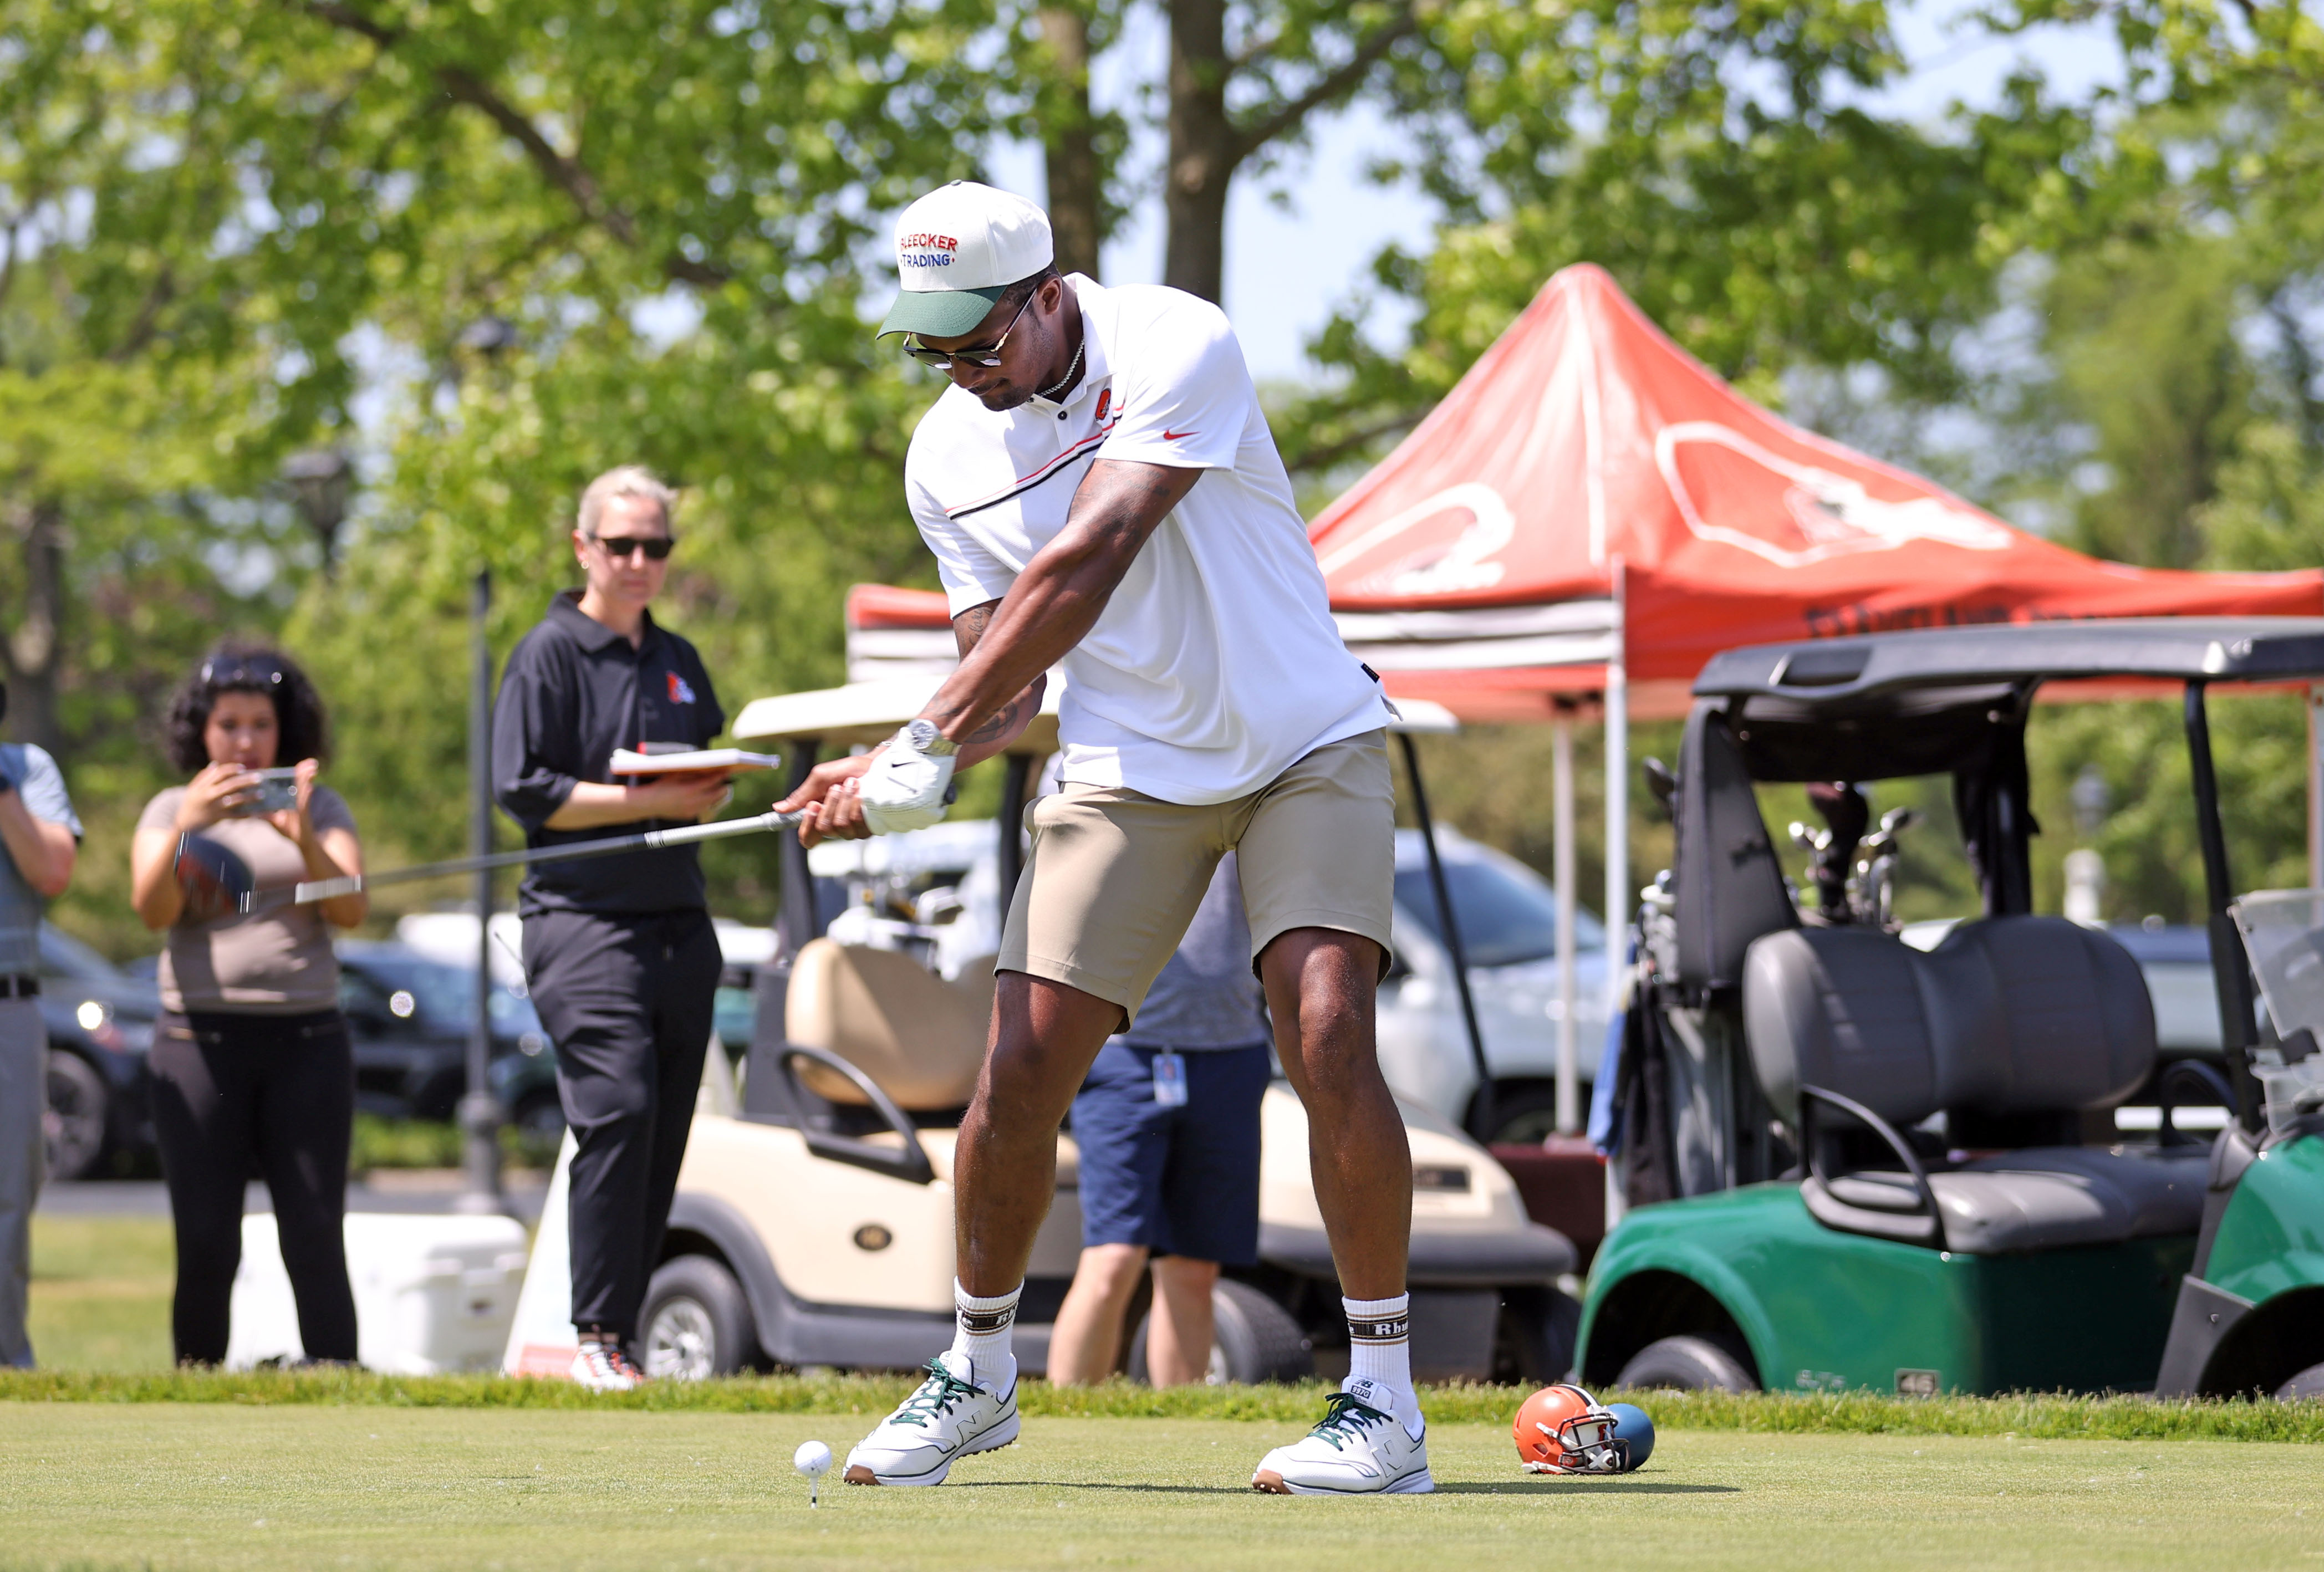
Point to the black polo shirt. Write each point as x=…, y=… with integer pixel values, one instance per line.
x=574, y=692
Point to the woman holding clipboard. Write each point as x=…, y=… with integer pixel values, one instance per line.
x=619, y=954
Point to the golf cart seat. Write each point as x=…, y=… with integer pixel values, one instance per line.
x=2008, y=1020
x=918, y=1037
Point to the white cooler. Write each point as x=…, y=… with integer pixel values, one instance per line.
x=432, y=1293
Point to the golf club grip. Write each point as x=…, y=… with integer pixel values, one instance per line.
x=325, y=889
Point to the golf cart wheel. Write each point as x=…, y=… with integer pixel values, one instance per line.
x=2309, y=1382
x=74, y=1125
x=1253, y=1339
x=1688, y=1364
x=696, y=1324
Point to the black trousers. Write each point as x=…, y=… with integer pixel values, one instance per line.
x=273, y=1093
x=627, y=999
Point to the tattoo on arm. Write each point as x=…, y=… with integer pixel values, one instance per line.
x=970, y=626
x=999, y=725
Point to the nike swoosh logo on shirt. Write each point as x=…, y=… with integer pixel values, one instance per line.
x=1168, y=436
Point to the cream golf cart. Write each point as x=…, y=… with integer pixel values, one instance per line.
x=813, y=1223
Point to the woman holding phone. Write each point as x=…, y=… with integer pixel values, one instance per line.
x=251, y=1065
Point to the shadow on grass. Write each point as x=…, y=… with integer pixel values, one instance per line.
x=1096, y=1484
x=1594, y=1487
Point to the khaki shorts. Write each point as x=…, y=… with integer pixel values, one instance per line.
x=1114, y=876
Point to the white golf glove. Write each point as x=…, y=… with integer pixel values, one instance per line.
x=908, y=787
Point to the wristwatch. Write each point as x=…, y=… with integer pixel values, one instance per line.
x=924, y=738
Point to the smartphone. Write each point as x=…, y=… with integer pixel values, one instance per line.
x=278, y=792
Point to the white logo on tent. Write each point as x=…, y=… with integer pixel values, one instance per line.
x=1462, y=567
x=1832, y=514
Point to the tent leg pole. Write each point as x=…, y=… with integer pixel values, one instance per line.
x=2316, y=786
x=1569, y=1094
x=1619, y=899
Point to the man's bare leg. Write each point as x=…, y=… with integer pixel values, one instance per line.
x=1045, y=1036
x=1087, y=1338
x=1178, y=1338
x=1320, y=987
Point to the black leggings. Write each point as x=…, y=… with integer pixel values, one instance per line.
x=272, y=1094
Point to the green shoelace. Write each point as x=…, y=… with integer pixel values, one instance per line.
x=1346, y=1419
x=935, y=1397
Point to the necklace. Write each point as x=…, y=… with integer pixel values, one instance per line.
x=1072, y=371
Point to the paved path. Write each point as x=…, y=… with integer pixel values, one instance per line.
x=419, y=1191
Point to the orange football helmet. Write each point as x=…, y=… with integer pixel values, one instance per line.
x=1562, y=1429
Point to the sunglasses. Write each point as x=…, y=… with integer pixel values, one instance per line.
x=988, y=355
x=240, y=671
x=619, y=547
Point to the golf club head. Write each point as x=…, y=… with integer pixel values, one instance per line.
x=215, y=881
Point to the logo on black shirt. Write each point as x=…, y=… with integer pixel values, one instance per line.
x=679, y=693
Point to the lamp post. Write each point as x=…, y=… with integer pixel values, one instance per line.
x=320, y=479
x=480, y=1114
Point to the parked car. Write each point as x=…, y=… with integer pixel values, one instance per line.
x=408, y=1014
x=100, y=1024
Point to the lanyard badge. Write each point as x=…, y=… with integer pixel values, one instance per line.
x=1169, y=1080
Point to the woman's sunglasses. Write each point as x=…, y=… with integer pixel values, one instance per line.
x=619, y=547
x=240, y=671
x=988, y=355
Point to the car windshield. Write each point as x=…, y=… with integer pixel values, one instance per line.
x=1505, y=918
x=444, y=996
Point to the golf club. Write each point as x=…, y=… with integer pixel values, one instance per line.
x=218, y=882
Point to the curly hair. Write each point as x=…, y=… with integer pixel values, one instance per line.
x=241, y=667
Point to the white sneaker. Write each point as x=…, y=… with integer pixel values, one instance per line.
x=1360, y=1448
x=601, y=1368
x=949, y=1418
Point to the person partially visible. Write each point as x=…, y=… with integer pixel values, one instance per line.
x=40, y=840
x=1168, y=1128
x=251, y=1066
x=620, y=957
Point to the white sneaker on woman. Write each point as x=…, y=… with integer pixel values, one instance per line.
x=604, y=1367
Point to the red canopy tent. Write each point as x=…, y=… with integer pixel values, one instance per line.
x=1590, y=494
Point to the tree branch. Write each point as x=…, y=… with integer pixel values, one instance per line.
x=1330, y=452
x=1334, y=85
x=568, y=175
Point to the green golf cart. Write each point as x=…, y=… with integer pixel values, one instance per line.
x=1853, y=1163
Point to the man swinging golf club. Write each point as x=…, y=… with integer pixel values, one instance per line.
x=1102, y=492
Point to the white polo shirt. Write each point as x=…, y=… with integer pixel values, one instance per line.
x=1216, y=665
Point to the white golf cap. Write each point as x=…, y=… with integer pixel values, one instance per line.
x=959, y=248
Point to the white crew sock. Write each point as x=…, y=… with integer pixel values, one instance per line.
x=1380, y=1350
x=981, y=1329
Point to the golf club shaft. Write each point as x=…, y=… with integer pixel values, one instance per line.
x=324, y=889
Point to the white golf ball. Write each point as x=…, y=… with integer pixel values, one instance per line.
x=813, y=1459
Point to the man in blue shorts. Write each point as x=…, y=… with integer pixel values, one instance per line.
x=1168, y=1125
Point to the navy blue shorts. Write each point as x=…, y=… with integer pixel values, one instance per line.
x=1179, y=1181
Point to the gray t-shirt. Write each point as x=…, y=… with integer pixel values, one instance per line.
x=42, y=790
x=277, y=962
x=41, y=784
x=1206, y=996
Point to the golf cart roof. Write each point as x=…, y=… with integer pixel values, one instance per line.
x=869, y=712
x=1827, y=674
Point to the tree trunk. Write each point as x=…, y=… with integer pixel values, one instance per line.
x=1203, y=150
x=35, y=646
x=1069, y=141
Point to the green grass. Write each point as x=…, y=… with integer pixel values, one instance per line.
x=100, y=1322
x=101, y=1294
x=258, y=1488
x=2029, y=1417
